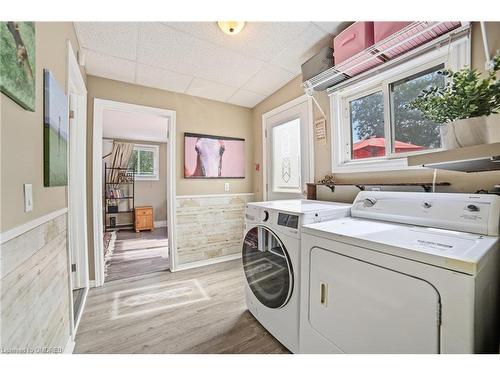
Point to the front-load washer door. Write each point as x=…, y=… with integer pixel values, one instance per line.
x=364, y=308
x=267, y=267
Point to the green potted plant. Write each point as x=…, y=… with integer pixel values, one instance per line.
x=463, y=105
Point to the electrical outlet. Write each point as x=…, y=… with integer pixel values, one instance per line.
x=28, y=197
x=226, y=186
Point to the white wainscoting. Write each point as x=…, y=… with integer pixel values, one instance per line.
x=209, y=228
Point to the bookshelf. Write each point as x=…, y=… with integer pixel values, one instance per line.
x=119, y=197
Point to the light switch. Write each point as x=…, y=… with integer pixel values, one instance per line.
x=226, y=186
x=28, y=197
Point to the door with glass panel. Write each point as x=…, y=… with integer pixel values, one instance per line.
x=288, y=145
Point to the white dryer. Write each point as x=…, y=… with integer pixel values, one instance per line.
x=271, y=261
x=407, y=273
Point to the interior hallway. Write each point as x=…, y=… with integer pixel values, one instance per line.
x=137, y=254
x=201, y=310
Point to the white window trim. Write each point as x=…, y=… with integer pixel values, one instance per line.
x=455, y=56
x=156, y=161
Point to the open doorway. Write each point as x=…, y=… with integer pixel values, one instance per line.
x=133, y=190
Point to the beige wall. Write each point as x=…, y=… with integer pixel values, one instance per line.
x=193, y=114
x=22, y=134
x=34, y=267
x=151, y=192
x=461, y=182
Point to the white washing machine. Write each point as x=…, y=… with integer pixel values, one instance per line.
x=271, y=261
x=407, y=273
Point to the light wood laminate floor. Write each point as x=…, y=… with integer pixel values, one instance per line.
x=200, y=310
x=138, y=254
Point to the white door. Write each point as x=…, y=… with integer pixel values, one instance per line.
x=363, y=308
x=77, y=205
x=288, y=135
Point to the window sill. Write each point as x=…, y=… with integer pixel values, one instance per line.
x=379, y=165
x=147, y=178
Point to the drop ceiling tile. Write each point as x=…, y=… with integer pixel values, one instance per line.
x=261, y=40
x=161, y=78
x=246, y=98
x=210, y=90
x=111, y=67
x=332, y=28
x=303, y=48
x=171, y=49
x=117, y=39
x=269, y=79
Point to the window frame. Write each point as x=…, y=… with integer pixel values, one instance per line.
x=453, y=56
x=156, y=161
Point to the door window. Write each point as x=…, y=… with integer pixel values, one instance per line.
x=286, y=157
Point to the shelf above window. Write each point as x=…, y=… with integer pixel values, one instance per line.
x=413, y=40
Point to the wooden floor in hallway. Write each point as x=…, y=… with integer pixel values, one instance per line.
x=138, y=254
x=199, y=310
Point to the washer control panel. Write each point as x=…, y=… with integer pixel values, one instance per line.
x=288, y=220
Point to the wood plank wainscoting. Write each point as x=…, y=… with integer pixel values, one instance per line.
x=34, y=312
x=209, y=228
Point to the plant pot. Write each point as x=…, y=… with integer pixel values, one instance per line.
x=467, y=132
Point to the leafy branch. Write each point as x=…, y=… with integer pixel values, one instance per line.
x=465, y=95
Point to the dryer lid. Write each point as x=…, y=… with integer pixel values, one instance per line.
x=454, y=250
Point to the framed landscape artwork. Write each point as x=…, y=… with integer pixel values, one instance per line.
x=17, y=62
x=55, y=132
x=210, y=156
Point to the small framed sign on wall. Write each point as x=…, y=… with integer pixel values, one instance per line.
x=320, y=131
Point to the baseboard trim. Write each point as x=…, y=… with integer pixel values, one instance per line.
x=160, y=224
x=206, y=262
x=70, y=346
x=91, y=283
x=23, y=228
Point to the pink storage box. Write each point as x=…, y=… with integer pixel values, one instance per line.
x=382, y=30
x=414, y=36
x=352, y=40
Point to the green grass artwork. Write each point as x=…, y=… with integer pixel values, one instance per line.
x=17, y=62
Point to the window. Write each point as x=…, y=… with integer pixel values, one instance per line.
x=412, y=132
x=367, y=126
x=144, y=161
x=373, y=128
x=286, y=157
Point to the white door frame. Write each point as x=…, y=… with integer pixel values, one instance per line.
x=75, y=86
x=301, y=99
x=99, y=106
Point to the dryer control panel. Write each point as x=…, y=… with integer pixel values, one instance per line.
x=473, y=213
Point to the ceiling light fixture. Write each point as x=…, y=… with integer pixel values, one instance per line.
x=231, y=27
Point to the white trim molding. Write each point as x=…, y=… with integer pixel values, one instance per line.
x=99, y=106
x=23, y=228
x=207, y=262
